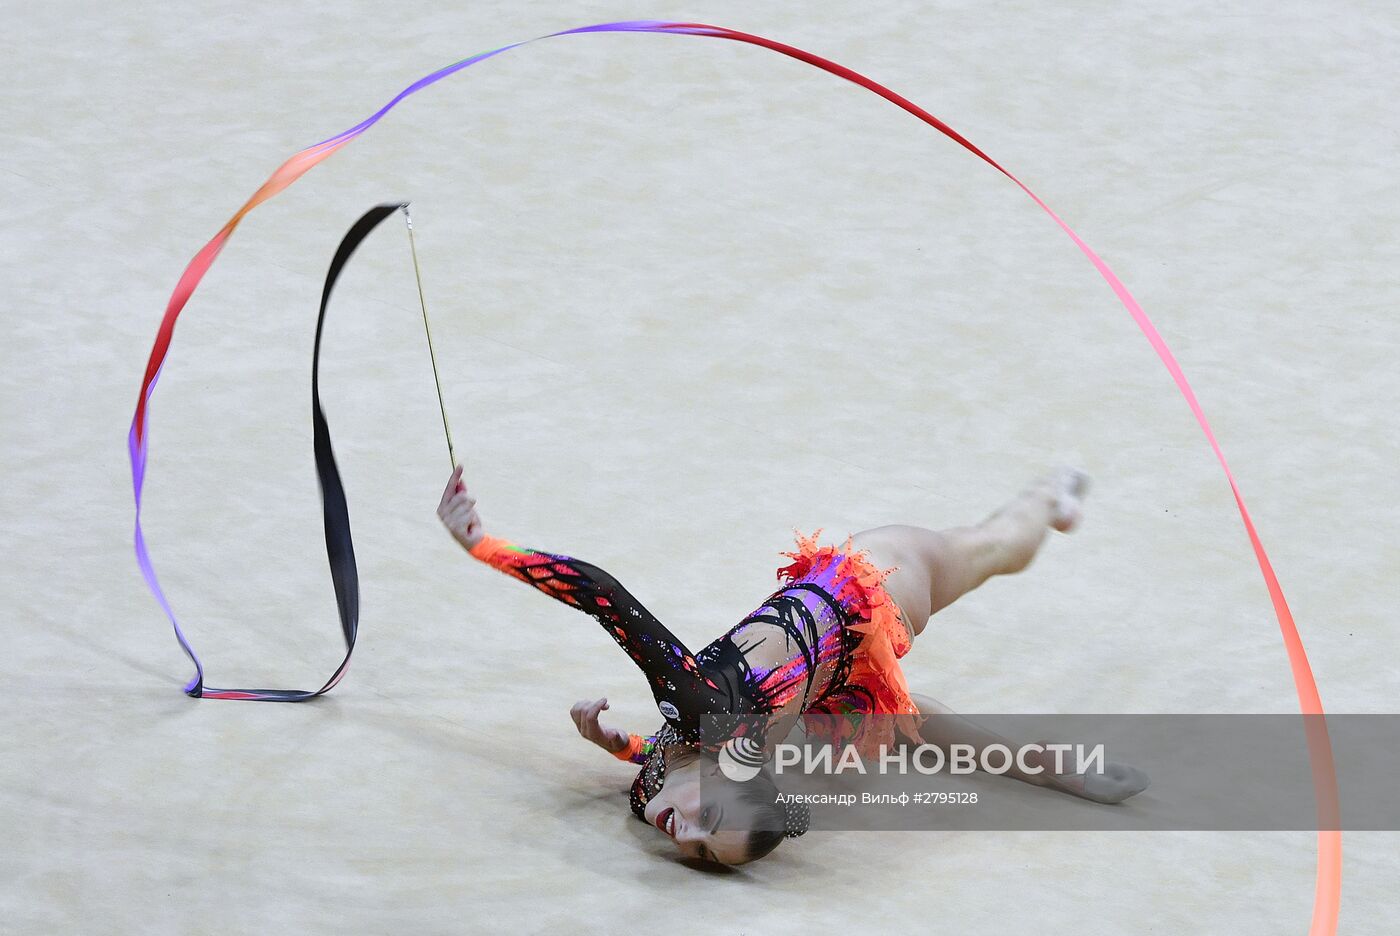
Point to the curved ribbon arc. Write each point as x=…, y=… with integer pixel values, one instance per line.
x=1327, y=895
x=1326, y=904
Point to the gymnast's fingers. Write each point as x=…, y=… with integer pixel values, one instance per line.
x=590, y=727
x=461, y=497
x=451, y=488
x=460, y=516
x=585, y=719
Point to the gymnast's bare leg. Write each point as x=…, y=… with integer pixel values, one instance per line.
x=934, y=568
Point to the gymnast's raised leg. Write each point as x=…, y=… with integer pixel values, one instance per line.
x=934, y=568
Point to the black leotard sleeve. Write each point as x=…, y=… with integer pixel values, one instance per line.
x=684, y=688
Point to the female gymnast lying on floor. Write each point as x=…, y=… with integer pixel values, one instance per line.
x=826, y=643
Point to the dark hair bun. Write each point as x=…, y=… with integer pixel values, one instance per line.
x=796, y=818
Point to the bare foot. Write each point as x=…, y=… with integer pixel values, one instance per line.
x=1070, y=485
x=1115, y=783
x=1112, y=784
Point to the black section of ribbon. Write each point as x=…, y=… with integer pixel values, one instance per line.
x=340, y=546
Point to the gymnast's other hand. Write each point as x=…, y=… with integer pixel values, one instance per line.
x=457, y=511
x=585, y=716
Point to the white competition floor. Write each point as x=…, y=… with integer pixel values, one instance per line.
x=687, y=295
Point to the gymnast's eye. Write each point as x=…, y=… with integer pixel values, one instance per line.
x=705, y=816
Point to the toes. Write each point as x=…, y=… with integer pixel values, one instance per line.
x=1073, y=484
x=1117, y=783
x=1067, y=515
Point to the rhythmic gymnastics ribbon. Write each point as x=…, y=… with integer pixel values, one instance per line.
x=1327, y=893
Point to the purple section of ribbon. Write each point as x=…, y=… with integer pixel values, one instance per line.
x=650, y=26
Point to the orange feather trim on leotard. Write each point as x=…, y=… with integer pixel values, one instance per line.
x=885, y=637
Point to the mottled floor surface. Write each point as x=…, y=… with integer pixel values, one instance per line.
x=688, y=295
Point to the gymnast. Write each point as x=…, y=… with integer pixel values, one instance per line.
x=827, y=642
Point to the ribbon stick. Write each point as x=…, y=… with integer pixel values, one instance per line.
x=1328, y=882
x=432, y=355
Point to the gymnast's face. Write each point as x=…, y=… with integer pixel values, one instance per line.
x=706, y=825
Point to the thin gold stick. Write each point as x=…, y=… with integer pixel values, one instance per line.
x=428, y=330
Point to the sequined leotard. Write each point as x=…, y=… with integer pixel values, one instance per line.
x=825, y=642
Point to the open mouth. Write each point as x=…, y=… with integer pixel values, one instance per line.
x=666, y=821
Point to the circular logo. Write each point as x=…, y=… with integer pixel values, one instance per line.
x=741, y=759
x=669, y=710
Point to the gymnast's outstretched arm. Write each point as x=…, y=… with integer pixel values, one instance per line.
x=681, y=689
